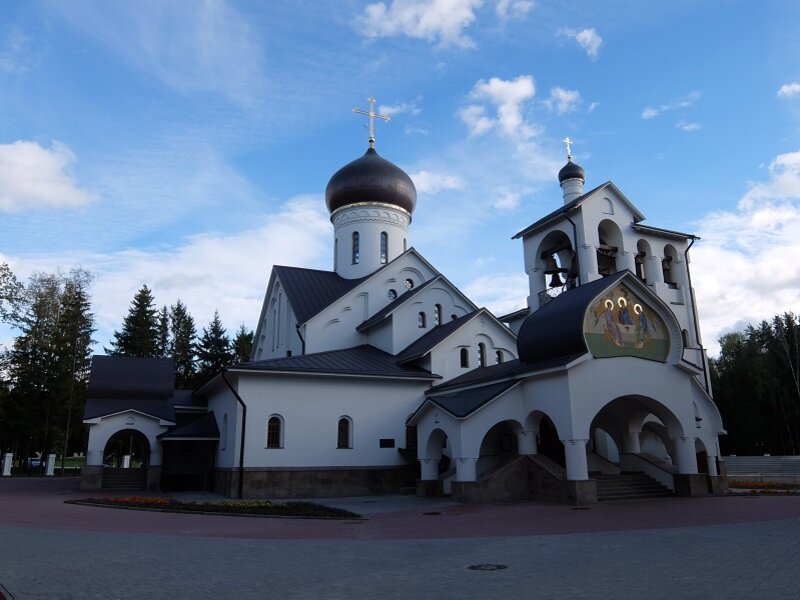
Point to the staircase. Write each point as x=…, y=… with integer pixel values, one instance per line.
x=124, y=480
x=629, y=486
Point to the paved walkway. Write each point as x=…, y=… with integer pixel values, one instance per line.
x=674, y=548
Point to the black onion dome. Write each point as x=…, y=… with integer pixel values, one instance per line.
x=571, y=171
x=371, y=179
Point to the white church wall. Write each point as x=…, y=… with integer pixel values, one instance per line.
x=276, y=335
x=369, y=222
x=418, y=316
x=310, y=408
x=102, y=428
x=228, y=415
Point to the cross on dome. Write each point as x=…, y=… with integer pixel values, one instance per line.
x=372, y=116
x=569, y=143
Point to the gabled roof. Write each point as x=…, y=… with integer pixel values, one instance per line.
x=637, y=216
x=203, y=428
x=394, y=304
x=465, y=402
x=311, y=290
x=427, y=342
x=121, y=383
x=361, y=360
x=664, y=232
x=556, y=329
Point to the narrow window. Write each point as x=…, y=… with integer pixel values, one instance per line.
x=437, y=315
x=482, y=355
x=343, y=439
x=499, y=356
x=274, y=432
x=223, y=439
x=421, y=320
x=405, y=242
x=464, y=358
x=384, y=247
x=355, y=248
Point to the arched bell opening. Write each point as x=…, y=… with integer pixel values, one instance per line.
x=646, y=267
x=556, y=264
x=670, y=267
x=610, y=244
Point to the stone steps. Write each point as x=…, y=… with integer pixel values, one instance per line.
x=124, y=479
x=628, y=486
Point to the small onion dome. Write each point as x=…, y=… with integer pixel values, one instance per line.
x=371, y=179
x=571, y=171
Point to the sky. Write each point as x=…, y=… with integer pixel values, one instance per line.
x=186, y=145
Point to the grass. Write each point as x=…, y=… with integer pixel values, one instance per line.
x=305, y=510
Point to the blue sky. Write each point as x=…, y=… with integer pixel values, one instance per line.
x=187, y=145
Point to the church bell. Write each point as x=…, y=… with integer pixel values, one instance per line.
x=552, y=268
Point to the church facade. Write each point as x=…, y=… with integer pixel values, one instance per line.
x=381, y=375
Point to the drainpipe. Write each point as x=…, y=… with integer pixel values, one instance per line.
x=244, y=424
x=575, y=242
x=694, y=314
x=300, y=335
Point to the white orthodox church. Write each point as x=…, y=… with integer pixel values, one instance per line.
x=381, y=376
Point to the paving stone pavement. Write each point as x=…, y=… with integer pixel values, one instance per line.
x=199, y=558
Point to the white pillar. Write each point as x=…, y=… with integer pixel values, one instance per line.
x=711, y=461
x=630, y=442
x=8, y=458
x=626, y=260
x=94, y=458
x=126, y=461
x=429, y=469
x=577, y=466
x=685, y=458
x=51, y=465
x=526, y=442
x=466, y=469
x=587, y=259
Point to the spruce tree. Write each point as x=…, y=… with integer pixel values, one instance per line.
x=243, y=344
x=139, y=334
x=163, y=340
x=213, y=350
x=183, y=346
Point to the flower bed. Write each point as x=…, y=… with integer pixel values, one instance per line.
x=761, y=485
x=306, y=510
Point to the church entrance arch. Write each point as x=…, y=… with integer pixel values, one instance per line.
x=545, y=433
x=498, y=447
x=126, y=457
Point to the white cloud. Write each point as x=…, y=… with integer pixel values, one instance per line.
x=588, y=39
x=33, y=177
x=563, y=101
x=506, y=200
x=14, y=52
x=745, y=268
x=207, y=272
x=688, y=125
x=402, y=107
x=789, y=90
x=441, y=21
x=502, y=293
x=651, y=112
x=592, y=107
x=433, y=183
x=189, y=46
x=511, y=9
x=506, y=97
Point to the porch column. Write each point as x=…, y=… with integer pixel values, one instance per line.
x=429, y=468
x=526, y=442
x=630, y=442
x=466, y=469
x=711, y=461
x=575, y=453
x=685, y=458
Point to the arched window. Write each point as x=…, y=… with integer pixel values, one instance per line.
x=421, y=320
x=499, y=357
x=669, y=267
x=437, y=315
x=405, y=244
x=356, y=251
x=464, y=358
x=453, y=317
x=344, y=433
x=223, y=439
x=275, y=432
x=482, y=354
x=384, y=247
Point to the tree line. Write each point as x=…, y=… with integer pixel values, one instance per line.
x=757, y=388
x=45, y=373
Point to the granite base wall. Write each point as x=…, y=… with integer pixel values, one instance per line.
x=91, y=478
x=691, y=485
x=314, y=483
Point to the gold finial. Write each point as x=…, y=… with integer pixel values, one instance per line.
x=569, y=143
x=372, y=116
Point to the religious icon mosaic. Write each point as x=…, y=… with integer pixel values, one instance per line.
x=619, y=323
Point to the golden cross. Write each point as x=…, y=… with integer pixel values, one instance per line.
x=568, y=142
x=372, y=116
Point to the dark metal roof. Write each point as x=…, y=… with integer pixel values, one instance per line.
x=427, y=342
x=462, y=403
x=371, y=178
x=668, y=232
x=362, y=360
x=309, y=290
x=556, y=329
x=202, y=428
x=120, y=383
x=571, y=170
x=514, y=315
x=556, y=213
x=389, y=308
